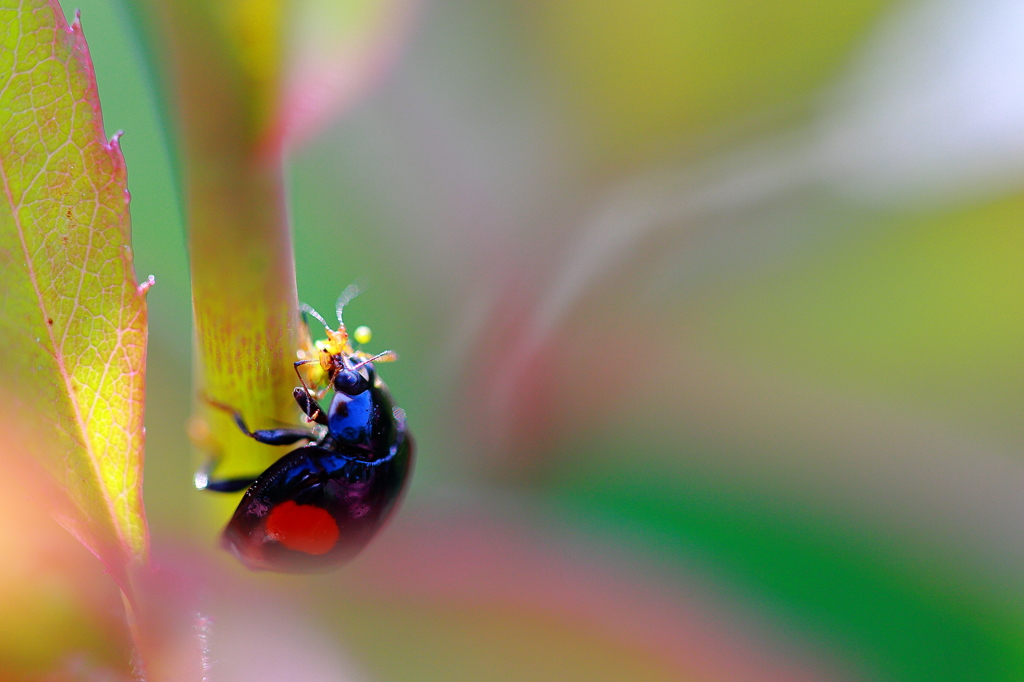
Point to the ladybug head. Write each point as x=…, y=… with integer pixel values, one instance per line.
x=350, y=380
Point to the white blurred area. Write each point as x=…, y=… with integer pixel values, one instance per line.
x=933, y=109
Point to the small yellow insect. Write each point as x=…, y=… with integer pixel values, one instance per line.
x=319, y=362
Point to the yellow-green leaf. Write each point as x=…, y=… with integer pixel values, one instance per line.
x=72, y=316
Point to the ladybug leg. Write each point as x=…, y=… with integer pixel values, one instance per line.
x=203, y=481
x=228, y=485
x=203, y=478
x=309, y=405
x=268, y=436
x=274, y=436
x=314, y=394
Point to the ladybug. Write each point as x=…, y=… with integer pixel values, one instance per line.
x=321, y=504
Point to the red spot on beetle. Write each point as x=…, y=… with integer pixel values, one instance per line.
x=303, y=527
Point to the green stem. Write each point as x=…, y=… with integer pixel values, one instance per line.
x=243, y=272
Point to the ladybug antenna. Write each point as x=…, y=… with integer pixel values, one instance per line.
x=306, y=308
x=350, y=292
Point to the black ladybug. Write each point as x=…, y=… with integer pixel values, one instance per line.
x=322, y=503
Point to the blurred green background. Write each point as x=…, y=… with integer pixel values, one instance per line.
x=714, y=299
